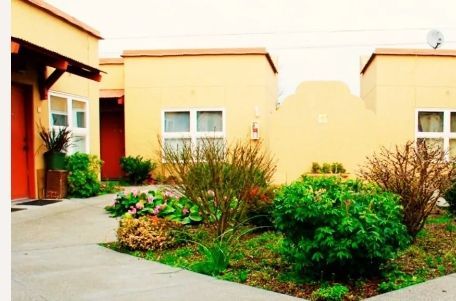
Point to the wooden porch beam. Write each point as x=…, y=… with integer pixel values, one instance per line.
x=44, y=84
x=96, y=76
x=53, y=78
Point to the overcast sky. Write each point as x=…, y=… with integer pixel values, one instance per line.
x=312, y=40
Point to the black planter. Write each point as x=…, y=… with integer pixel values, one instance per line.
x=54, y=160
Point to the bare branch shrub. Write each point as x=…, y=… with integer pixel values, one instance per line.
x=418, y=173
x=219, y=177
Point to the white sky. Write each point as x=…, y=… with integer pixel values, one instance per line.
x=312, y=39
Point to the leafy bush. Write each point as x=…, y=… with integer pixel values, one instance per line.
x=219, y=178
x=136, y=169
x=83, y=174
x=450, y=197
x=259, y=206
x=397, y=279
x=419, y=173
x=328, y=168
x=337, y=167
x=162, y=204
x=148, y=233
x=316, y=168
x=330, y=225
x=335, y=292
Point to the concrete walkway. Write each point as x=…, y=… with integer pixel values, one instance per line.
x=55, y=256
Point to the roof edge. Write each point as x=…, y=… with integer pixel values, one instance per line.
x=407, y=52
x=111, y=61
x=200, y=52
x=64, y=16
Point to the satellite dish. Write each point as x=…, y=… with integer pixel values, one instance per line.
x=435, y=38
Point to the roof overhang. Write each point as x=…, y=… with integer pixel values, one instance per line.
x=23, y=51
x=408, y=52
x=201, y=52
x=49, y=9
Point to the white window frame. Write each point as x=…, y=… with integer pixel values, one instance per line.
x=193, y=134
x=75, y=131
x=446, y=135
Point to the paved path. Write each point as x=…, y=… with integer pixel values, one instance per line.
x=55, y=256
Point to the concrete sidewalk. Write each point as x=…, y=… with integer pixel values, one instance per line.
x=55, y=256
x=440, y=289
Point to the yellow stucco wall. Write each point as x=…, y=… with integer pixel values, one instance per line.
x=321, y=122
x=403, y=84
x=43, y=29
x=39, y=27
x=114, y=77
x=241, y=85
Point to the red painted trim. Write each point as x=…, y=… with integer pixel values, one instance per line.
x=31, y=141
x=30, y=131
x=15, y=47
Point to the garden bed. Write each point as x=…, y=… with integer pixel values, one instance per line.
x=257, y=262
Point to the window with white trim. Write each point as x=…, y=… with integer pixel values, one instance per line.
x=70, y=111
x=437, y=127
x=192, y=125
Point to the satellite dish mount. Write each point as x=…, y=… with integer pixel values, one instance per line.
x=435, y=38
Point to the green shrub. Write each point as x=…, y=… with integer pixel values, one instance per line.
x=162, y=204
x=450, y=197
x=397, y=279
x=148, y=233
x=83, y=181
x=337, y=167
x=136, y=169
x=326, y=168
x=219, y=178
x=316, y=168
x=340, y=227
x=335, y=292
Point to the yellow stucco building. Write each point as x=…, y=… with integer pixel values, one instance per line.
x=184, y=95
x=54, y=82
x=187, y=94
x=406, y=94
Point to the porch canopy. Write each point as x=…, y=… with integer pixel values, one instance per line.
x=24, y=53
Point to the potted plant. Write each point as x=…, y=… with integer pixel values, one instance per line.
x=56, y=143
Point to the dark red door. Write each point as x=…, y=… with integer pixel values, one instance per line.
x=112, y=139
x=21, y=147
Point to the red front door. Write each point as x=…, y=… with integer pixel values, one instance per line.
x=21, y=145
x=112, y=139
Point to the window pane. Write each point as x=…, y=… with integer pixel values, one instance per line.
x=453, y=148
x=79, y=144
x=59, y=119
x=177, y=122
x=79, y=109
x=430, y=121
x=431, y=142
x=176, y=144
x=209, y=121
x=59, y=111
x=453, y=122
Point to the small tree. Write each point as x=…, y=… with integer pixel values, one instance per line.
x=418, y=173
x=219, y=178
